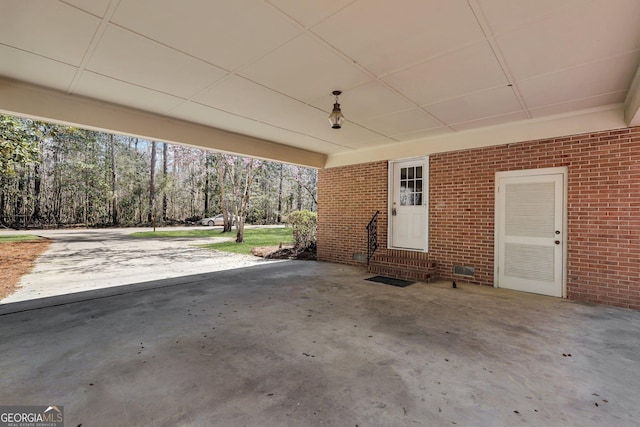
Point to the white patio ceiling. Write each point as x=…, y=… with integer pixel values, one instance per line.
x=417, y=76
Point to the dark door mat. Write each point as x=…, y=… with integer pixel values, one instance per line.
x=390, y=281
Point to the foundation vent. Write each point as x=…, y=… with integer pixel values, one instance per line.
x=359, y=257
x=464, y=270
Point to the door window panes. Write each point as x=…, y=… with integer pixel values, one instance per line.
x=411, y=186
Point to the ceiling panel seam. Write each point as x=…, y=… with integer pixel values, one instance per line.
x=39, y=55
x=308, y=27
x=272, y=125
x=374, y=77
x=489, y=35
x=238, y=72
x=95, y=41
x=582, y=64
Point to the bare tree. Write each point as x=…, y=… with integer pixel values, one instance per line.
x=207, y=183
x=242, y=192
x=299, y=189
x=222, y=173
x=307, y=179
x=152, y=184
x=279, y=220
x=114, y=182
x=164, y=177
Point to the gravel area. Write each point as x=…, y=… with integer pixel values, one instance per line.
x=82, y=260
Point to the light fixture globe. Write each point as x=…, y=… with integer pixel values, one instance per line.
x=336, y=118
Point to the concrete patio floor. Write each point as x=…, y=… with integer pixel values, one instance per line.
x=314, y=344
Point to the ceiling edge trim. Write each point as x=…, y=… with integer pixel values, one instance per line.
x=632, y=103
x=22, y=99
x=592, y=120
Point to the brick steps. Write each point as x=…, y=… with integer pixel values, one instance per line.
x=403, y=265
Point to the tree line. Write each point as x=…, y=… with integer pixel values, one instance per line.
x=52, y=175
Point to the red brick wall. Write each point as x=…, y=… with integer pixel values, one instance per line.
x=347, y=199
x=603, y=264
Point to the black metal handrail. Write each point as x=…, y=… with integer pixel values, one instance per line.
x=372, y=236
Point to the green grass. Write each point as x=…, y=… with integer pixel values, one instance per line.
x=253, y=237
x=19, y=238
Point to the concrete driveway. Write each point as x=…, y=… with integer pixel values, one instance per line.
x=85, y=259
x=314, y=344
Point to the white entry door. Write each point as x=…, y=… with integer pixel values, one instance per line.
x=530, y=231
x=409, y=194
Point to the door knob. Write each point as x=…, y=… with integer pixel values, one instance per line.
x=557, y=242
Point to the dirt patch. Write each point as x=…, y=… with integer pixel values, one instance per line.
x=16, y=260
x=265, y=251
x=284, y=252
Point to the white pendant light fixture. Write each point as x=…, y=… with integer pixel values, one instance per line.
x=336, y=118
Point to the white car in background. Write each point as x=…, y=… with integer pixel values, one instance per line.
x=214, y=220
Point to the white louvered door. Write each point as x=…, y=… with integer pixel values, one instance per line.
x=530, y=233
